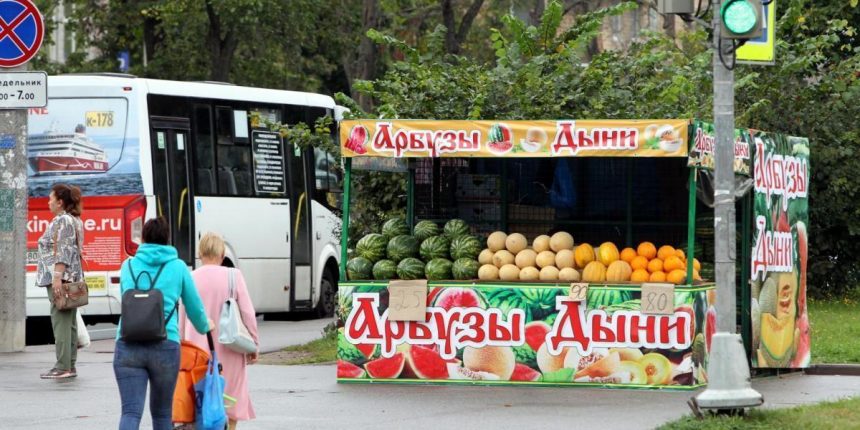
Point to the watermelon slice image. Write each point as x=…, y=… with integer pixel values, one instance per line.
x=386, y=368
x=525, y=373
x=346, y=369
x=357, y=140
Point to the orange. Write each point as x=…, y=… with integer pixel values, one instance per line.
x=655, y=265
x=677, y=277
x=696, y=264
x=680, y=254
x=647, y=250
x=658, y=277
x=696, y=275
x=673, y=263
x=628, y=254
x=639, y=275
x=639, y=262
x=665, y=252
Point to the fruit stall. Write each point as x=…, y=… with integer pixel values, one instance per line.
x=549, y=253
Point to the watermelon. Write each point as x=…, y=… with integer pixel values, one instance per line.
x=455, y=228
x=456, y=297
x=395, y=227
x=410, y=268
x=371, y=247
x=465, y=269
x=438, y=269
x=525, y=355
x=466, y=246
x=386, y=368
x=403, y=246
x=385, y=269
x=425, y=229
x=346, y=369
x=435, y=247
x=359, y=268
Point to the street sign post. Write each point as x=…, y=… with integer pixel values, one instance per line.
x=21, y=34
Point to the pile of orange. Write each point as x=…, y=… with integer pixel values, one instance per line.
x=665, y=264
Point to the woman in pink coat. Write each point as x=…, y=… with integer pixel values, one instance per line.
x=212, y=284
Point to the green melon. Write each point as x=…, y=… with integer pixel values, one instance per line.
x=465, y=247
x=456, y=227
x=438, y=269
x=425, y=229
x=385, y=269
x=435, y=247
x=465, y=269
x=359, y=268
x=395, y=227
x=403, y=246
x=372, y=247
x=410, y=268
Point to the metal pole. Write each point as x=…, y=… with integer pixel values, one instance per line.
x=729, y=375
x=344, y=230
x=691, y=224
x=13, y=228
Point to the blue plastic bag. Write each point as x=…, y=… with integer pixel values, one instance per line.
x=209, y=395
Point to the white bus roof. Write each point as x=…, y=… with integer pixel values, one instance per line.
x=206, y=90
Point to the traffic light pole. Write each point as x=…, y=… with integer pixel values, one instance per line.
x=729, y=385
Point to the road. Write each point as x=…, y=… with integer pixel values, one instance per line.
x=308, y=397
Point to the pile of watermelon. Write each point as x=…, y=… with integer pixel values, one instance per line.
x=427, y=252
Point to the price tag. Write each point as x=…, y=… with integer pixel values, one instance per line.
x=658, y=299
x=407, y=300
x=578, y=291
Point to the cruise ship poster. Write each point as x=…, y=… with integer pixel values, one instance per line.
x=88, y=142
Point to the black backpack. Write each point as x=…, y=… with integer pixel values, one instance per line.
x=143, y=311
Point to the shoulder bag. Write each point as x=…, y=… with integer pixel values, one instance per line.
x=73, y=294
x=232, y=331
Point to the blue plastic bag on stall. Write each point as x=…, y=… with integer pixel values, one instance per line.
x=209, y=396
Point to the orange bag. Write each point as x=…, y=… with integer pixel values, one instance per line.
x=192, y=367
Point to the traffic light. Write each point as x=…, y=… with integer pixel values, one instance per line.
x=741, y=19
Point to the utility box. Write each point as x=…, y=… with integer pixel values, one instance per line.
x=675, y=6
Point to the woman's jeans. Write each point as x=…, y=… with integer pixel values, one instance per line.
x=135, y=364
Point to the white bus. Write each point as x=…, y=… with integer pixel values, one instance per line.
x=139, y=148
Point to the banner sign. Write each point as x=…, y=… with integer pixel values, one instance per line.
x=562, y=138
x=702, y=146
x=529, y=334
x=780, y=324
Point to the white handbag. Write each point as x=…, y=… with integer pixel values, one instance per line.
x=232, y=332
x=83, y=334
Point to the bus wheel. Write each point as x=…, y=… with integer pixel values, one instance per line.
x=328, y=290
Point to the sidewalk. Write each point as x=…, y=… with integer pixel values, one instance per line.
x=307, y=397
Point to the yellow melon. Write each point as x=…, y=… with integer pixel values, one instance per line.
x=515, y=243
x=618, y=271
x=549, y=273
x=696, y=264
x=561, y=240
x=529, y=274
x=673, y=263
x=500, y=258
x=594, y=272
x=525, y=258
x=582, y=255
x=541, y=243
x=569, y=274
x=486, y=257
x=496, y=241
x=564, y=259
x=607, y=253
x=509, y=272
x=544, y=259
x=488, y=272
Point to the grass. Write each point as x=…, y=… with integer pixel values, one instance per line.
x=322, y=350
x=843, y=414
x=835, y=330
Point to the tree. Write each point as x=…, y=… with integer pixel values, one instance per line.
x=456, y=34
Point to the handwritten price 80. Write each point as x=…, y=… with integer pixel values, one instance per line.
x=657, y=302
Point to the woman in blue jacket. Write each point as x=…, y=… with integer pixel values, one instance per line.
x=155, y=362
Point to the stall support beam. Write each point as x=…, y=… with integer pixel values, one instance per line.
x=344, y=231
x=503, y=194
x=629, y=226
x=410, y=199
x=746, y=231
x=691, y=224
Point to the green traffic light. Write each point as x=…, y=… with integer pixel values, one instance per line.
x=739, y=16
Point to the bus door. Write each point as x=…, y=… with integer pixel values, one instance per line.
x=300, y=228
x=170, y=177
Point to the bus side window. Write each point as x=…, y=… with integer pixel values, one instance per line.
x=234, y=153
x=326, y=179
x=204, y=156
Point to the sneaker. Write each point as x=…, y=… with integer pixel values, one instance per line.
x=56, y=374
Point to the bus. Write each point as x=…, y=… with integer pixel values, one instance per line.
x=188, y=151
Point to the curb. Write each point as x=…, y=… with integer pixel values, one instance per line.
x=834, y=369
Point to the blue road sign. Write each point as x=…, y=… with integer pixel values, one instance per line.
x=21, y=32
